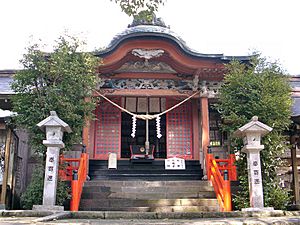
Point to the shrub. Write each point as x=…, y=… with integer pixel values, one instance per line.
x=261, y=89
x=34, y=192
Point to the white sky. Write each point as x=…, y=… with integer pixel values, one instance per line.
x=232, y=27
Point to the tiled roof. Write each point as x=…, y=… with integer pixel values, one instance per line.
x=5, y=88
x=295, y=84
x=296, y=107
x=6, y=113
x=157, y=30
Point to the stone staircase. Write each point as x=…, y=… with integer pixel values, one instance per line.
x=143, y=170
x=148, y=196
x=147, y=187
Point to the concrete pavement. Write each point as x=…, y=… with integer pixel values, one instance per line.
x=277, y=217
x=291, y=220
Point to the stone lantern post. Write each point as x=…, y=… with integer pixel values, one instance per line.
x=54, y=128
x=251, y=134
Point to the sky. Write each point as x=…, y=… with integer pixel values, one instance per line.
x=231, y=27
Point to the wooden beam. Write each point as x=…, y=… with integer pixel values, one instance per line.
x=144, y=93
x=140, y=75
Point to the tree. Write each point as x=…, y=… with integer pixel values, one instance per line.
x=261, y=89
x=60, y=81
x=140, y=9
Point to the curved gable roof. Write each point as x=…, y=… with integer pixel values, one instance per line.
x=157, y=30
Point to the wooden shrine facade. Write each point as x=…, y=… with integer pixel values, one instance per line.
x=148, y=69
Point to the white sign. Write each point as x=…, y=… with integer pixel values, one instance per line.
x=175, y=164
x=112, y=161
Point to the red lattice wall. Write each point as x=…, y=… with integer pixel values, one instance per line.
x=179, y=130
x=107, y=129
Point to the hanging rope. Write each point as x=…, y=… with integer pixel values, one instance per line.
x=144, y=116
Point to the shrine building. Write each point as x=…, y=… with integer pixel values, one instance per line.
x=155, y=143
x=147, y=69
x=155, y=138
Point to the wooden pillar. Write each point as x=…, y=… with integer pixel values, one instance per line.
x=85, y=137
x=6, y=166
x=86, y=128
x=204, y=129
x=296, y=190
x=85, y=133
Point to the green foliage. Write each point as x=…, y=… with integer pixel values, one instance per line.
x=34, y=192
x=59, y=81
x=275, y=196
x=258, y=89
x=140, y=9
x=241, y=200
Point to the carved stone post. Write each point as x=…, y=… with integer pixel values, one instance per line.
x=54, y=128
x=251, y=134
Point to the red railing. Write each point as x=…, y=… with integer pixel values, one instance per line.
x=74, y=170
x=220, y=172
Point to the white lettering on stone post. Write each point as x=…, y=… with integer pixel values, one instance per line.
x=255, y=180
x=51, y=172
x=54, y=128
x=251, y=134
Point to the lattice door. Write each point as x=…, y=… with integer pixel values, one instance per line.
x=107, y=129
x=179, y=130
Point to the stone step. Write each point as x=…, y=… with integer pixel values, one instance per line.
x=148, y=203
x=136, y=183
x=156, y=162
x=147, y=189
x=143, y=171
x=141, y=166
x=149, y=177
x=163, y=209
x=146, y=196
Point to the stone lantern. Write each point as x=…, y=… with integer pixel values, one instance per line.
x=251, y=134
x=54, y=128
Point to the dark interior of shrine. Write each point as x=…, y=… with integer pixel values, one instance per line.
x=140, y=136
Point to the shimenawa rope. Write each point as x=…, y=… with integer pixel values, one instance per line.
x=144, y=116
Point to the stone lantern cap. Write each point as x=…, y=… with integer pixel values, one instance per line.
x=54, y=121
x=254, y=126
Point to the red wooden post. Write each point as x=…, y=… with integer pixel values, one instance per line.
x=209, y=158
x=232, y=174
x=84, y=156
x=74, y=205
x=205, y=129
x=85, y=130
x=227, y=193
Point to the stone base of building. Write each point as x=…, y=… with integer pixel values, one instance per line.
x=294, y=207
x=258, y=209
x=48, y=208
